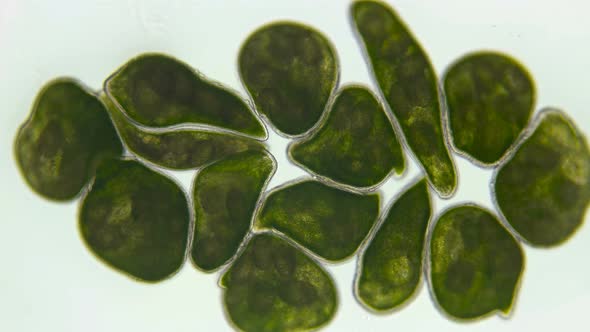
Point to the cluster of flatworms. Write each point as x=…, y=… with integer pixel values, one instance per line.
x=155, y=111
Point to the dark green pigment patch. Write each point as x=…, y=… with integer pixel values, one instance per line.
x=330, y=222
x=225, y=196
x=178, y=149
x=66, y=136
x=356, y=145
x=490, y=99
x=135, y=220
x=543, y=190
x=273, y=286
x=409, y=85
x=157, y=90
x=290, y=70
x=475, y=263
x=391, y=266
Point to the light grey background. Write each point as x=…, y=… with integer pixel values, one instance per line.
x=51, y=282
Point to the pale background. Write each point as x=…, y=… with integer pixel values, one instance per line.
x=51, y=282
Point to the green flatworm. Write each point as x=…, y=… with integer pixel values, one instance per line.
x=329, y=221
x=356, y=144
x=475, y=263
x=543, y=189
x=225, y=195
x=135, y=220
x=273, y=286
x=490, y=99
x=157, y=90
x=66, y=136
x=390, y=268
x=409, y=85
x=290, y=70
